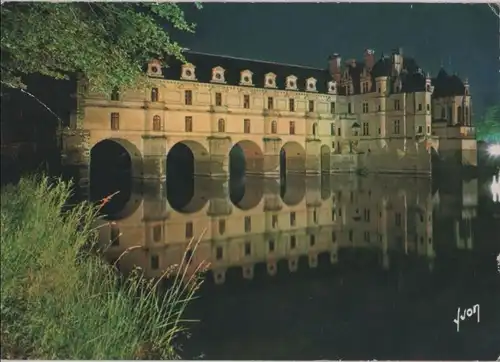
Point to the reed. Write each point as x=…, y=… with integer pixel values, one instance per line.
x=60, y=300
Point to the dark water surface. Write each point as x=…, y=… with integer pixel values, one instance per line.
x=331, y=267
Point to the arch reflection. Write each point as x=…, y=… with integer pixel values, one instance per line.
x=317, y=221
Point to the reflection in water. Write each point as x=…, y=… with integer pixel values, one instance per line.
x=323, y=267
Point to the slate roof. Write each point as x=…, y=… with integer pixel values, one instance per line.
x=204, y=64
x=412, y=76
x=446, y=85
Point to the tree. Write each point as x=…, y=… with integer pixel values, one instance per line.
x=108, y=43
x=488, y=127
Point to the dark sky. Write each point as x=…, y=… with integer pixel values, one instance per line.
x=462, y=37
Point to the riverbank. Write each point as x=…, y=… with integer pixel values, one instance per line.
x=61, y=301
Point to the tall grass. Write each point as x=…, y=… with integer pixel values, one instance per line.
x=61, y=301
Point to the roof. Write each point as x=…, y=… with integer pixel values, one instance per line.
x=411, y=77
x=446, y=85
x=233, y=66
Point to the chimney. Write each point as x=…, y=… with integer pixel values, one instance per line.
x=369, y=58
x=334, y=64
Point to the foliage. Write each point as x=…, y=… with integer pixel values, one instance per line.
x=488, y=127
x=59, y=301
x=107, y=42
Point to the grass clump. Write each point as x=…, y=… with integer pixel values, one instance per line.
x=61, y=301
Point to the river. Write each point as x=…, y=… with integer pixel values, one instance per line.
x=330, y=267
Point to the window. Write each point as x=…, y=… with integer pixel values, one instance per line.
x=351, y=236
x=154, y=95
x=248, y=224
x=379, y=131
x=271, y=246
x=115, y=121
x=365, y=107
x=365, y=87
x=428, y=106
x=397, y=220
x=115, y=236
x=188, y=97
x=292, y=127
x=443, y=113
x=219, y=253
x=338, y=131
x=396, y=126
x=274, y=221
x=367, y=236
x=311, y=106
x=349, y=108
x=366, y=214
x=221, y=126
x=420, y=106
x=248, y=248
x=315, y=129
x=315, y=217
x=188, y=256
x=218, y=99
x=115, y=95
x=157, y=233
x=334, y=236
x=332, y=107
x=246, y=101
x=188, y=124
x=332, y=129
x=291, y=104
x=189, y=230
x=428, y=129
x=366, y=129
x=293, y=218
x=274, y=127
x=420, y=130
x=312, y=240
x=156, y=123
x=396, y=104
x=222, y=227
x=270, y=103
x=379, y=108
x=155, y=262
x=246, y=126
x=293, y=242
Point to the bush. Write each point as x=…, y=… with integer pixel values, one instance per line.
x=60, y=301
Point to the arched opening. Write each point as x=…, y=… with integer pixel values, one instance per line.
x=292, y=158
x=113, y=164
x=187, y=159
x=245, y=157
x=245, y=193
x=187, y=196
x=460, y=115
x=293, y=189
x=325, y=159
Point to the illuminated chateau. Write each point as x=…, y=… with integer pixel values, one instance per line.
x=381, y=114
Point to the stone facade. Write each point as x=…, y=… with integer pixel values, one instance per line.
x=374, y=115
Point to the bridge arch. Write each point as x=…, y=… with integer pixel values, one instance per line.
x=186, y=159
x=116, y=156
x=246, y=157
x=325, y=159
x=292, y=158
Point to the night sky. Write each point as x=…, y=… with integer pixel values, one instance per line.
x=462, y=37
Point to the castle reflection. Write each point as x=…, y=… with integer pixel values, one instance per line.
x=243, y=224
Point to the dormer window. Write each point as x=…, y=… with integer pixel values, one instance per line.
x=311, y=85
x=188, y=72
x=332, y=87
x=154, y=69
x=270, y=81
x=246, y=77
x=291, y=82
x=218, y=75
